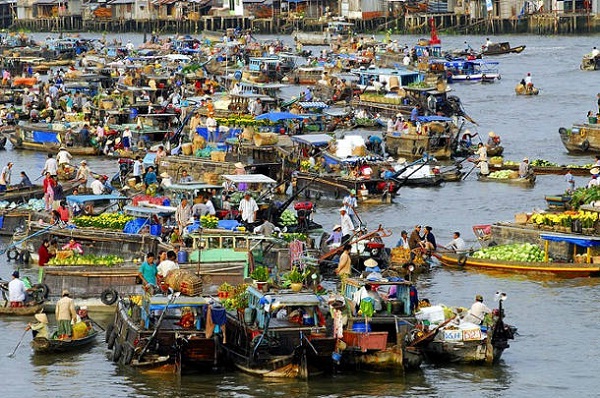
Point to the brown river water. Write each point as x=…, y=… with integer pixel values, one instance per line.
x=557, y=350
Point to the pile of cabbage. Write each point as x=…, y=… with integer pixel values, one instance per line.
x=514, y=252
x=32, y=204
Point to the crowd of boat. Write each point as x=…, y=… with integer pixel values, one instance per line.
x=205, y=238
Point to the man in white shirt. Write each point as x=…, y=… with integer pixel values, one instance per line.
x=138, y=166
x=51, y=166
x=347, y=225
x=167, y=265
x=97, y=186
x=183, y=214
x=211, y=126
x=210, y=207
x=595, y=52
x=17, y=293
x=63, y=156
x=457, y=244
x=248, y=208
x=477, y=311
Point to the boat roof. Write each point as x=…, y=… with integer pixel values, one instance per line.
x=461, y=62
x=313, y=104
x=93, y=198
x=249, y=178
x=288, y=299
x=191, y=186
x=312, y=139
x=583, y=241
x=160, y=302
x=149, y=210
x=425, y=119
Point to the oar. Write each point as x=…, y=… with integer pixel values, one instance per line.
x=466, y=175
x=160, y=318
x=12, y=354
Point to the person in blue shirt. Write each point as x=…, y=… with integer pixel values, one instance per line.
x=148, y=271
x=150, y=177
x=414, y=114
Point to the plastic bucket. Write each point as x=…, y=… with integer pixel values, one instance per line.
x=182, y=257
x=361, y=327
x=155, y=230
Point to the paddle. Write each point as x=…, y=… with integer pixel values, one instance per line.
x=472, y=168
x=12, y=354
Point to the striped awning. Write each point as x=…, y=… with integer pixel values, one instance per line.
x=313, y=104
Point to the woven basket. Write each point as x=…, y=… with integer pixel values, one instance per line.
x=262, y=139
x=211, y=178
x=217, y=156
x=184, y=281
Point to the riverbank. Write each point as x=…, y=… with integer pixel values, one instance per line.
x=447, y=23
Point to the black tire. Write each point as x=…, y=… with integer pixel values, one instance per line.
x=12, y=254
x=585, y=145
x=109, y=296
x=108, y=335
x=562, y=131
x=117, y=351
x=43, y=288
x=25, y=256
x=127, y=355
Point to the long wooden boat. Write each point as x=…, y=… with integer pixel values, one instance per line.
x=502, y=48
x=563, y=269
x=581, y=138
x=546, y=170
x=43, y=345
x=138, y=338
x=41, y=137
x=524, y=181
x=438, y=143
x=279, y=346
x=21, y=195
x=21, y=311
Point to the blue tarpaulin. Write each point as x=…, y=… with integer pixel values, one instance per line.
x=277, y=116
x=575, y=240
x=45, y=136
x=425, y=119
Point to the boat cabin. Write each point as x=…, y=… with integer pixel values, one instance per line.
x=391, y=78
x=94, y=205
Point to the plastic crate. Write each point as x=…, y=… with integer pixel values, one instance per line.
x=365, y=341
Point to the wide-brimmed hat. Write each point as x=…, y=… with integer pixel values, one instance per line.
x=43, y=318
x=492, y=134
x=371, y=263
x=337, y=226
x=526, y=159
x=83, y=162
x=239, y=165
x=165, y=175
x=401, y=160
x=342, y=209
x=353, y=192
x=594, y=170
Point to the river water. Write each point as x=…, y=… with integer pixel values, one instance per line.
x=557, y=349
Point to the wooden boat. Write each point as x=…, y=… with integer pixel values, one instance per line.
x=501, y=48
x=590, y=62
x=42, y=137
x=476, y=71
x=305, y=75
x=545, y=170
x=581, y=138
x=21, y=195
x=263, y=342
x=379, y=344
x=374, y=190
x=522, y=90
x=335, y=32
x=438, y=142
x=462, y=342
x=43, y=345
x=21, y=311
x=138, y=337
x=526, y=181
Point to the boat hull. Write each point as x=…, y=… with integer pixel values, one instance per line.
x=581, y=138
x=526, y=181
x=413, y=146
x=21, y=311
x=522, y=90
x=568, y=270
x=42, y=345
x=19, y=143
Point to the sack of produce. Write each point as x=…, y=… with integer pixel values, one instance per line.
x=80, y=330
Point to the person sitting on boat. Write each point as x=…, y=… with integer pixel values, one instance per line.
x=74, y=246
x=570, y=181
x=429, y=239
x=493, y=140
x=528, y=82
x=25, y=181
x=266, y=228
x=335, y=239
x=477, y=311
x=457, y=244
x=344, y=267
x=482, y=161
x=594, y=181
x=524, y=168
x=40, y=328
x=403, y=241
x=83, y=173
x=415, y=113
x=44, y=253
x=187, y=319
x=17, y=292
x=63, y=211
x=185, y=177
x=97, y=186
x=65, y=315
x=147, y=271
x=63, y=157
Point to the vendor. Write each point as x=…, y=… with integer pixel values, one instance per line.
x=39, y=329
x=74, y=246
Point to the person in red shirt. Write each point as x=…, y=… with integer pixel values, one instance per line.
x=49, y=185
x=63, y=210
x=44, y=253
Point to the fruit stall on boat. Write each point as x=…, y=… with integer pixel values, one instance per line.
x=435, y=136
x=376, y=340
x=508, y=177
x=279, y=335
x=544, y=167
x=443, y=337
x=172, y=333
x=581, y=138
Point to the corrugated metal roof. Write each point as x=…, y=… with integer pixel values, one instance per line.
x=313, y=104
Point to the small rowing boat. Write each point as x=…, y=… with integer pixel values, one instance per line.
x=42, y=345
x=21, y=311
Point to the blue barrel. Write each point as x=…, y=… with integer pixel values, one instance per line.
x=166, y=202
x=237, y=75
x=133, y=113
x=182, y=257
x=361, y=327
x=155, y=229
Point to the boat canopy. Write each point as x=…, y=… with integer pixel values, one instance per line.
x=150, y=210
x=94, y=198
x=249, y=178
x=191, y=186
x=312, y=139
x=160, y=302
x=433, y=118
x=573, y=239
x=286, y=299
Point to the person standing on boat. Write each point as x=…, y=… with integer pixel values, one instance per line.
x=44, y=253
x=403, y=241
x=127, y=138
x=415, y=113
x=148, y=271
x=63, y=157
x=138, y=166
x=39, y=329
x=65, y=315
x=183, y=214
x=347, y=225
x=482, y=161
x=524, y=168
x=97, y=186
x=570, y=182
x=488, y=43
x=493, y=141
x=48, y=186
x=83, y=173
x=167, y=265
x=17, y=292
x=344, y=267
x=248, y=209
x=5, y=176
x=350, y=203
x=51, y=166
x=477, y=311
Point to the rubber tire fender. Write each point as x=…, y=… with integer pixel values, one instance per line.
x=43, y=287
x=467, y=77
x=585, y=145
x=127, y=355
x=562, y=131
x=108, y=335
x=109, y=296
x=117, y=351
x=12, y=254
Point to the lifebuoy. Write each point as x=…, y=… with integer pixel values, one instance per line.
x=583, y=133
x=12, y=254
x=585, y=145
x=117, y=351
x=462, y=260
x=43, y=289
x=109, y=296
